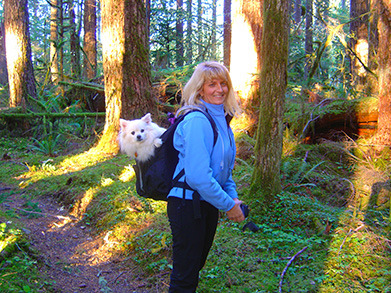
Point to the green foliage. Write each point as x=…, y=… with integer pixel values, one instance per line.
x=19, y=268
x=47, y=146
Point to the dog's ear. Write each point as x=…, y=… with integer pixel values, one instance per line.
x=147, y=118
x=123, y=123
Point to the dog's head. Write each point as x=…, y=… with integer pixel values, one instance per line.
x=135, y=131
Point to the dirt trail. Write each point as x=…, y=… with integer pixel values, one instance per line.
x=74, y=258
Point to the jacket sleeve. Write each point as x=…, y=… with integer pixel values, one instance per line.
x=197, y=137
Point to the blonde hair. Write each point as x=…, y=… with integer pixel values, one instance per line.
x=204, y=72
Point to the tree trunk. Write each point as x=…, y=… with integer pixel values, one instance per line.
x=308, y=47
x=3, y=58
x=268, y=149
x=246, y=58
x=199, y=30
x=297, y=11
x=74, y=42
x=384, y=56
x=179, y=33
x=359, y=42
x=18, y=47
x=373, y=40
x=60, y=40
x=148, y=15
x=125, y=65
x=214, y=28
x=54, y=41
x=189, y=33
x=89, y=46
x=227, y=33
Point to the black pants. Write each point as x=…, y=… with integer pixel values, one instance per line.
x=192, y=240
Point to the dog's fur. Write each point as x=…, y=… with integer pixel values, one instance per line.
x=138, y=138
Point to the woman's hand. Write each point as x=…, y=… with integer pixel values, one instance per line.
x=235, y=214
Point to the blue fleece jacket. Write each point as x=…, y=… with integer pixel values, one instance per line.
x=208, y=168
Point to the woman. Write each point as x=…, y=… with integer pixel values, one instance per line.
x=208, y=172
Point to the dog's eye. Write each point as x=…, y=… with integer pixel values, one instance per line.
x=142, y=130
x=133, y=132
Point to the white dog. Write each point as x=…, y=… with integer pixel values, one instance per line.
x=138, y=138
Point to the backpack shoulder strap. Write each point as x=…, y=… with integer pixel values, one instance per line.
x=212, y=123
x=215, y=136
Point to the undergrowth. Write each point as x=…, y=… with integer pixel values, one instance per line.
x=316, y=236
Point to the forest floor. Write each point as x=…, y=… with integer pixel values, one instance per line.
x=71, y=257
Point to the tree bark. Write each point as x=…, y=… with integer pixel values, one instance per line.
x=246, y=60
x=179, y=33
x=54, y=41
x=297, y=11
x=199, y=30
x=359, y=42
x=125, y=65
x=373, y=40
x=308, y=47
x=384, y=56
x=3, y=58
x=274, y=53
x=214, y=28
x=74, y=41
x=60, y=40
x=189, y=33
x=89, y=45
x=227, y=33
x=18, y=47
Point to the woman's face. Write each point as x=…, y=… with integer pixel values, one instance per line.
x=214, y=91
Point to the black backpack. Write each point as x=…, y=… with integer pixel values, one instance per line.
x=154, y=178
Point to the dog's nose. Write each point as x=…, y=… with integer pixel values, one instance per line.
x=139, y=137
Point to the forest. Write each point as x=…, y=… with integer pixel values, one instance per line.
x=313, y=158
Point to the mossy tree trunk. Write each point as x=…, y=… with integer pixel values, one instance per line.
x=274, y=55
x=125, y=65
x=18, y=50
x=384, y=57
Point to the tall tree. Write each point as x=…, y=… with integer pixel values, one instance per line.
x=384, y=57
x=227, y=33
x=54, y=41
x=373, y=41
x=125, y=65
x=199, y=30
x=359, y=42
x=18, y=50
x=214, y=28
x=189, y=32
x=74, y=41
x=297, y=11
x=308, y=46
x=179, y=33
x=274, y=52
x=89, y=44
x=246, y=57
x=61, y=39
x=3, y=58
x=148, y=15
